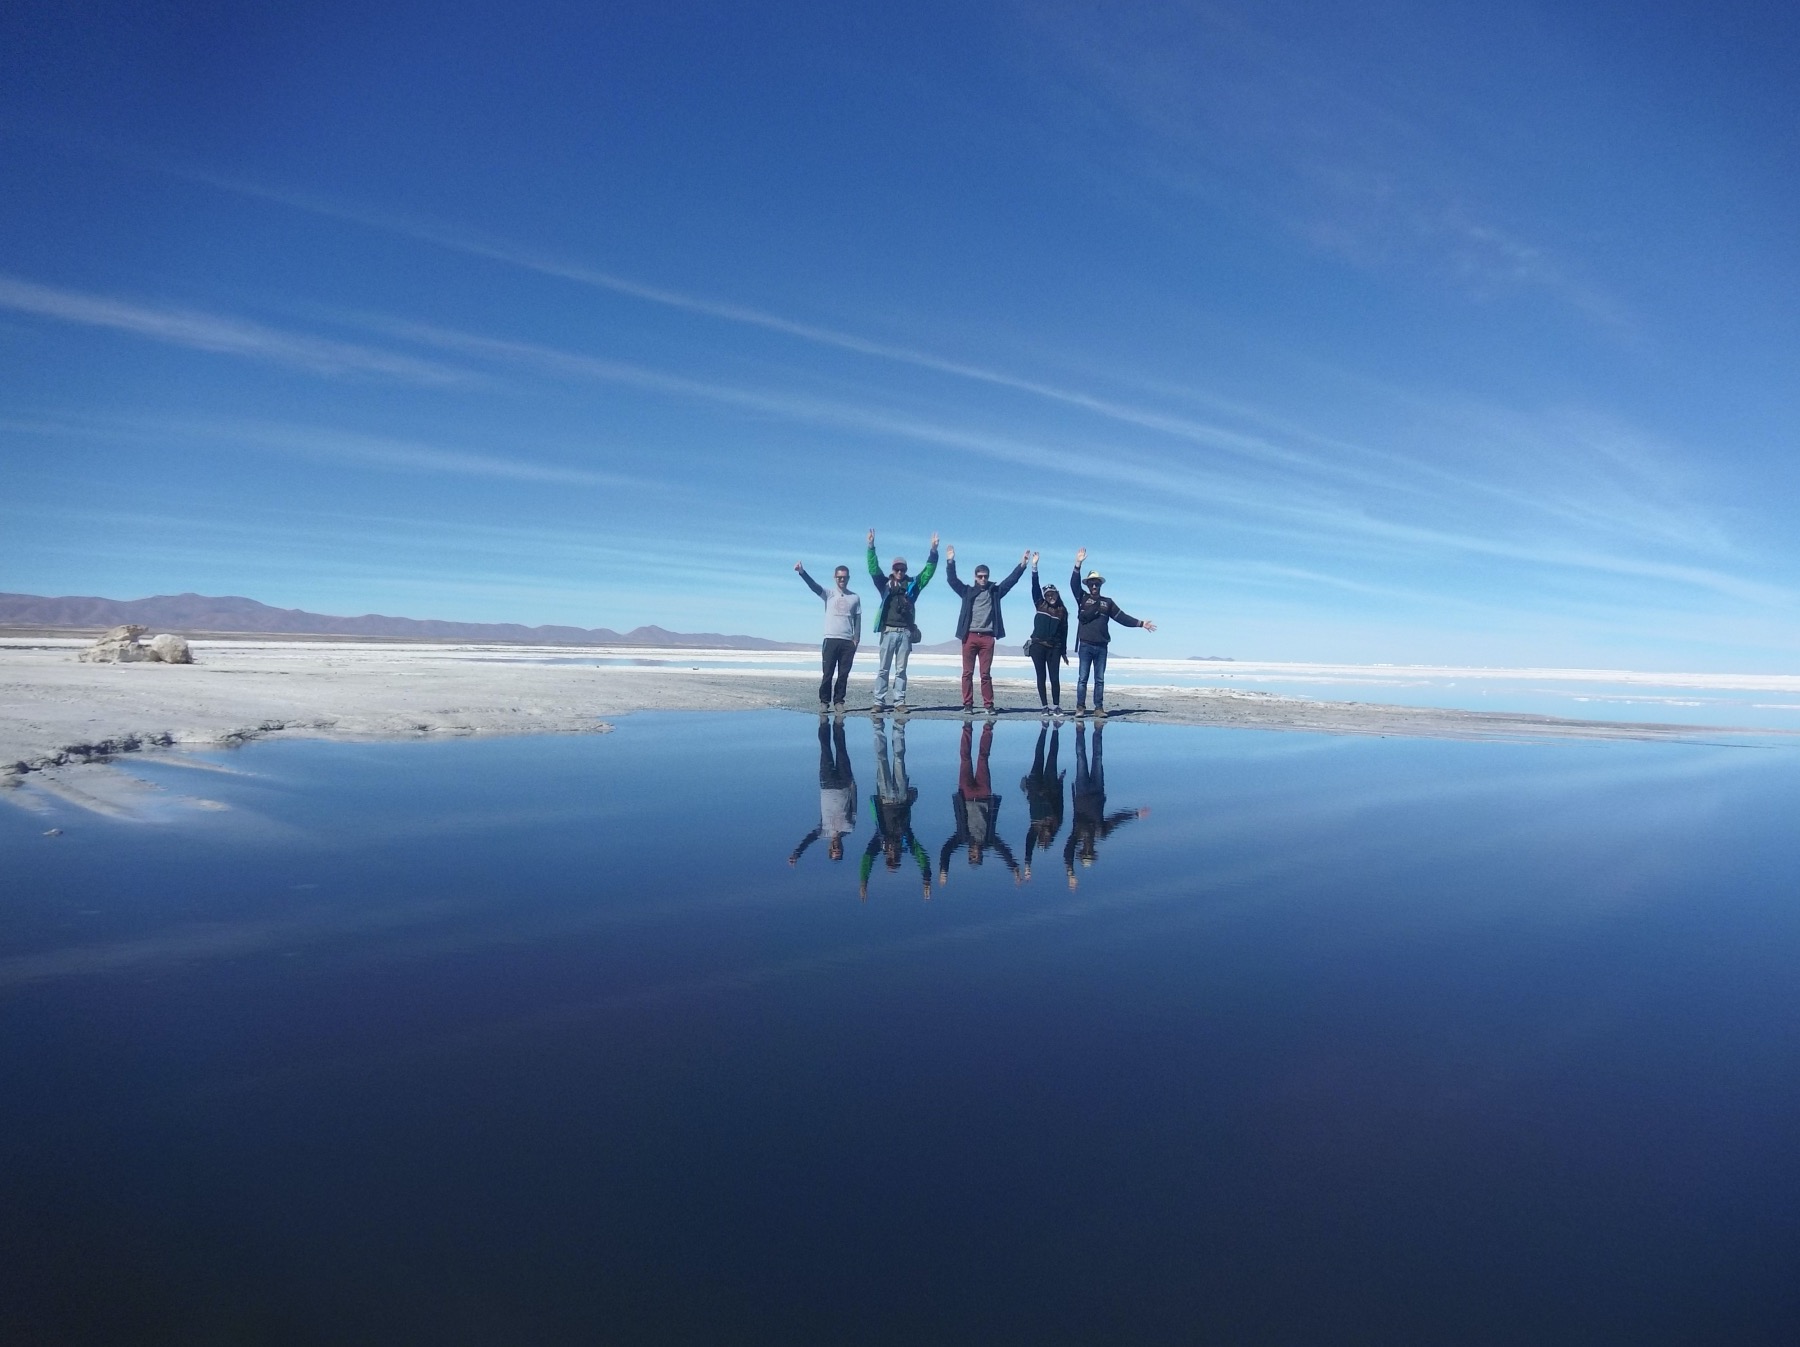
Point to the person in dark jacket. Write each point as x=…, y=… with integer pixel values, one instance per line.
x=1049, y=643
x=1043, y=787
x=1092, y=822
x=977, y=811
x=979, y=626
x=1093, y=613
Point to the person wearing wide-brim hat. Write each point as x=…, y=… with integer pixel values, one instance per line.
x=1094, y=613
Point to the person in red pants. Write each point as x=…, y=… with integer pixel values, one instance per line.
x=979, y=626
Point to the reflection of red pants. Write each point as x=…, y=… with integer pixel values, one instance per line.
x=978, y=645
x=974, y=781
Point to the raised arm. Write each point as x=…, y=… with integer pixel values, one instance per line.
x=812, y=584
x=1013, y=578
x=875, y=567
x=930, y=569
x=957, y=587
x=1037, y=590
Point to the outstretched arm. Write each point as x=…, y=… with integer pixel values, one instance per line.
x=1037, y=590
x=812, y=584
x=875, y=566
x=805, y=842
x=1118, y=819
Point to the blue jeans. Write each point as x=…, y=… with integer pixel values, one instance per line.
x=896, y=649
x=1090, y=656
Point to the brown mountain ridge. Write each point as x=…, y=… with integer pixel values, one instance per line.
x=190, y=614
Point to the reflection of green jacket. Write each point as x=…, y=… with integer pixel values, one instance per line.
x=884, y=587
x=895, y=820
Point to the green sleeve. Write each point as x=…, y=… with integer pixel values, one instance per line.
x=874, y=565
x=868, y=864
x=922, y=858
x=929, y=571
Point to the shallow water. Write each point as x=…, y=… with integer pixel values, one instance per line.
x=545, y=1040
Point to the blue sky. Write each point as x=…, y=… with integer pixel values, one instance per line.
x=1345, y=332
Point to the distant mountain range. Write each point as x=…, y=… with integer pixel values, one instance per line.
x=188, y=614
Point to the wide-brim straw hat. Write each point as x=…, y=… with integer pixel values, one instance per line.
x=1095, y=575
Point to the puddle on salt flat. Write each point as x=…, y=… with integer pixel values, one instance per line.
x=1284, y=1037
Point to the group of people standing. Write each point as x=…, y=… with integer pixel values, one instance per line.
x=975, y=805
x=980, y=627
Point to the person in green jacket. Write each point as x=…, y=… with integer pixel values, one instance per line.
x=896, y=626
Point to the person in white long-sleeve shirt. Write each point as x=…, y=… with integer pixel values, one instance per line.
x=843, y=633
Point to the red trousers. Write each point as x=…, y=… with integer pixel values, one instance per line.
x=978, y=645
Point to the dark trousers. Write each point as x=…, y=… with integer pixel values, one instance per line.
x=1048, y=666
x=1092, y=658
x=836, y=656
x=978, y=646
x=835, y=772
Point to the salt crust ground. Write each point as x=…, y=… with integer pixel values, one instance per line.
x=56, y=712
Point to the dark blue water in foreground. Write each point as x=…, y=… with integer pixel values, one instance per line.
x=545, y=1041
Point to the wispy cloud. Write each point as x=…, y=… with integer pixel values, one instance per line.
x=1309, y=513
x=1267, y=109
x=326, y=442
x=223, y=335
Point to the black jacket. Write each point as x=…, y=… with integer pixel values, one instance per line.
x=967, y=594
x=1091, y=615
x=1057, y=643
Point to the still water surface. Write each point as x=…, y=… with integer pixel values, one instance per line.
x=1285, y=1038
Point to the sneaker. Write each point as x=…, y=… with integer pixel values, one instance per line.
x=899, y=709
x=968, y=708
x=1100, y=712
x=989, y=710
x=837, y=708
x=1080, y=711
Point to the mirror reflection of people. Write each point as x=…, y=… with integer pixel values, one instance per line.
x=843, y=633
x=1049, y=643
x=1093, y=636
x=1043, y=787
x=893, y=803
x=977, y=810
x=896, y=625
x=837, y=794
x=1092, y=823
x=979, y=626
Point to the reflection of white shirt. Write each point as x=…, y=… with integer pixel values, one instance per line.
x=837, y=809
